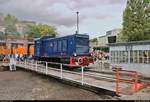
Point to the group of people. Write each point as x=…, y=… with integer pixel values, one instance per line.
x=100, y=55
x=12, y=59
x=23, y=57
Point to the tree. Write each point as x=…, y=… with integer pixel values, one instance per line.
x=40, y=30
x=119, y=37
x=10, y=25
x=46, y=30
x=31, y=31
x=1, y=35
x=94, y=40
x=136, y=21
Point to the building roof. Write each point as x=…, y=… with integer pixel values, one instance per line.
x=102, y=36
x=28, y=22
x=130, y=43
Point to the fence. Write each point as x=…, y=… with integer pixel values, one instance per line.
x=42, y=66
x=132, y=79
x=92, y=79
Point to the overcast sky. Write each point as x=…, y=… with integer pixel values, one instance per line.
x=96, y=16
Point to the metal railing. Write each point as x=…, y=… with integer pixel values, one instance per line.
x=42, y=66
x=132, y=80
x=80, y=77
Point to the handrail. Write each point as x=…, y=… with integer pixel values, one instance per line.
x=134, y=82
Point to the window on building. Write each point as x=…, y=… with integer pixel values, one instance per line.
x=140, y=56
x=125, y=56
x=116, y=57
x=112, y=56
x=131, y=56
x=135, y=56
x=149, y=56
x=145, y=55
x=121, y=57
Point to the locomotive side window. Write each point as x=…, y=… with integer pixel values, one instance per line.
x=50, y=45
x=59, y=46
x=64, y=45
x=55, y=46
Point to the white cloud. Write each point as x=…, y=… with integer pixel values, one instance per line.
x=61, y=13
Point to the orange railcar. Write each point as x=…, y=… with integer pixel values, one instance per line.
x=20, y=50
x=31, y=50
x=5, y=51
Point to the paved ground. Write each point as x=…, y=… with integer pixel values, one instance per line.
x=22, y=85
x=143, y=94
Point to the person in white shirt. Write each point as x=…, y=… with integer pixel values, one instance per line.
x=12, y=64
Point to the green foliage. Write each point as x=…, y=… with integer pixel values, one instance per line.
x=94, y=40
x=31, y=31
x=136, y=21
x=47, y=30
x=105, y=49
x=1, y=35
x=40, y=30
x=10, y=22
x=120, y=37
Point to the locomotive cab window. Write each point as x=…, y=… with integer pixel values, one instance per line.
x=82, y=41
x=82, y=44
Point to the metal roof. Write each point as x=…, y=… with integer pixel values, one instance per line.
x=130, y=43
x=17, y=42
x=65, y=36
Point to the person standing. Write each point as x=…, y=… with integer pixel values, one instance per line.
x=12, y=64
x=16, y=55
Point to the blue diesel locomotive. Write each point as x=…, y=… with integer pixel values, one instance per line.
x=71, y=49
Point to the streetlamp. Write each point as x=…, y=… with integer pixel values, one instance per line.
x=77, y=32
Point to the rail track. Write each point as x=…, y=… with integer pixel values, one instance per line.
x=107, y=76
x=92, y=78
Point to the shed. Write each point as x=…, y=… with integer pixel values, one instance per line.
x=131, y=56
